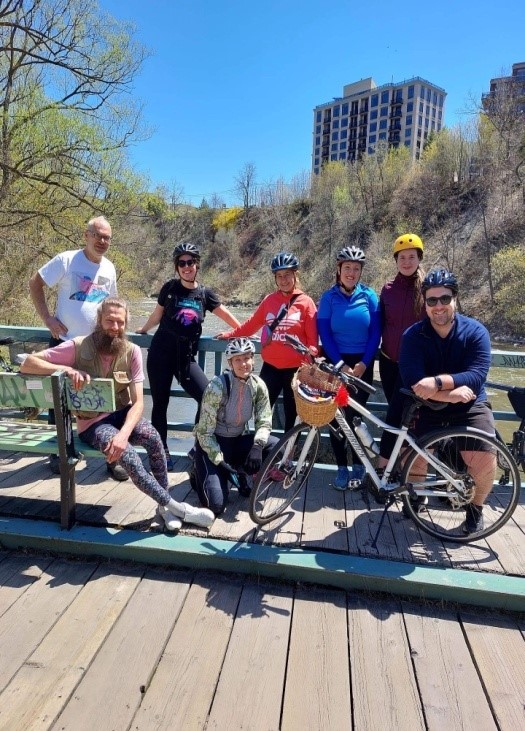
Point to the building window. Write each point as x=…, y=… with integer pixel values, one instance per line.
x=316, y=161
x=411, y=91
x=373, y=127
x=382, y=124
x=410, y=107
x=318, y=129
x=354, y=108
x=384, y=112
x=334, y=147
x=408, y=132
x=372, y=139
x=420, y=120
x=374, y=100
x=384, y=97
x=429, y=95
x=342, y=145
x=408, y=120
x=336, y=111
x=318, y=116
x=426, y=123
x=335, y=136
x=344, y=122
x=382, y=135
x=407, y=143
x=335, y=124
x=421, y=107
x=316, y=171
x=343, y=134
x=333, y=157
x=373, y=114
x=342, y=155
x=317, y=140
x=344, y=109
x=398, y=96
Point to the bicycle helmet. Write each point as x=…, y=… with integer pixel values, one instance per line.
x=351, y=253
x=407, y=241
x=284, y=260
x=187, y=248
x=440, y=278
x=239, y=346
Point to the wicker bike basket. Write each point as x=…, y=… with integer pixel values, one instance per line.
x=322, y=410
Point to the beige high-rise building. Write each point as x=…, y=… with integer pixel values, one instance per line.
x=368, y=117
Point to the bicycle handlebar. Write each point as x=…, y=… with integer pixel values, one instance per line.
x=502, y=387
x=346, y=378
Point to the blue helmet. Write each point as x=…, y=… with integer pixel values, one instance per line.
x=284, y=260
x=440, y=278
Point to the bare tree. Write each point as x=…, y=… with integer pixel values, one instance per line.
x=245, y=185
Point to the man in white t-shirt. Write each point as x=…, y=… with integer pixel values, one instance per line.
x=83, y=278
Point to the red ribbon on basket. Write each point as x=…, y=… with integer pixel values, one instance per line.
x=342, y=397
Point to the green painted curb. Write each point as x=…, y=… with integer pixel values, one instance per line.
x=293, y=564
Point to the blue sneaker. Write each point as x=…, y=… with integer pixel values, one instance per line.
x=342, y=478
x=358, y=472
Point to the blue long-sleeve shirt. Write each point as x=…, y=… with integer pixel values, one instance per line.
x=464, y=354
x=349, y=324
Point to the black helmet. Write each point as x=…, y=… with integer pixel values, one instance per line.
x=284, y=260
x=440, y=278
x=190, y=249
x=351, y=253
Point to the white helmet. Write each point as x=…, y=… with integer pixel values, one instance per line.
x=351, y=253
x=239, y=346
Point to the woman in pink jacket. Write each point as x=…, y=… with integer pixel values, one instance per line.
x=288, y=311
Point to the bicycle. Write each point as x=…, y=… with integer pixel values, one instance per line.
x=516, y=396
x=432, y=475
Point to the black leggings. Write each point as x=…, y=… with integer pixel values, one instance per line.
x=277, y=380
x=339, y=445
x=168, y=359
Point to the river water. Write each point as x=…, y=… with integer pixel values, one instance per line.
x=184, y=409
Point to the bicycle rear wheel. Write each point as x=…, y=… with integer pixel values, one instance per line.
x=283, y=473
x=477, y=461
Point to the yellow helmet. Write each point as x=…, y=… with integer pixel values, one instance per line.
x=407, y=241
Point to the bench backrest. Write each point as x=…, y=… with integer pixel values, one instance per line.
x=17, y=390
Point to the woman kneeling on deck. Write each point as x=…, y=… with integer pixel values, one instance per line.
x=225, y=450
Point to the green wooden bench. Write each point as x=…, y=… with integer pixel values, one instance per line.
x=45, y=392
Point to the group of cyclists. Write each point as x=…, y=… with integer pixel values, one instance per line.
x=350, y=324
x=425, y=345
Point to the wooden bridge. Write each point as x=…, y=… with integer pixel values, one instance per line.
x=305, y=624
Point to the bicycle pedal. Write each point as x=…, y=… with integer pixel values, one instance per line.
x=354, y=484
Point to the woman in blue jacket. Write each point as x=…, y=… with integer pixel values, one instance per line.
x=349, y=326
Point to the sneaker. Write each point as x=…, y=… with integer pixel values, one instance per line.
x=117, y=472
x=202, y=517
x=171, y=521
x=342, y=478
x=474, y=518
x=54, y=464
x=169, y=462
x=358, y=472
x=244, y=488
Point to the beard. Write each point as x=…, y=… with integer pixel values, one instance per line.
x=107, y=344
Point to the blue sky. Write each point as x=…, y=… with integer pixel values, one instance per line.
x=235, y=81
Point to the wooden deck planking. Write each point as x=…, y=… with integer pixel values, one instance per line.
x=182, y=689
x=324, y=520
x=40, y=689
x=500, y=657
x=317, y=687
x=451, y=691
x=128, y=657
x=90, y=644
x=255, y=659
x=384, y=689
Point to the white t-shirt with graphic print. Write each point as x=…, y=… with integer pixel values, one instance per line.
x=81, y=286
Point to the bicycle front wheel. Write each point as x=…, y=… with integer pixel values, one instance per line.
x=283, y=473
x=483, y=467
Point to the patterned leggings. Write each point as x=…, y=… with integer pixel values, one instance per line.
x=144, y=435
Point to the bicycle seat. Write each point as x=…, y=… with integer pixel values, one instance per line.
x=434, y=405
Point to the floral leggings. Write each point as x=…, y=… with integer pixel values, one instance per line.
x=155, y=485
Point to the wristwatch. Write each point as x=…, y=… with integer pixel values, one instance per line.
x=439, y=383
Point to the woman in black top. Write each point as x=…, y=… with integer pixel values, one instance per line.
x=181, y=307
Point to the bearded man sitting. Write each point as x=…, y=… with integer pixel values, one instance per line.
x=107, y=353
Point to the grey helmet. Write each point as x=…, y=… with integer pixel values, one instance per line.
x=186, y=248
x=351, y=253
x=239, y=346
x=440, y=278
x=284, y=260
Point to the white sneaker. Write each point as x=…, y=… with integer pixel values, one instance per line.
x=171, y=521
x=203, y=517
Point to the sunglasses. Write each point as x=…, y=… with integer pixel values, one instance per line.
x=186, y=262
x=445, y=299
